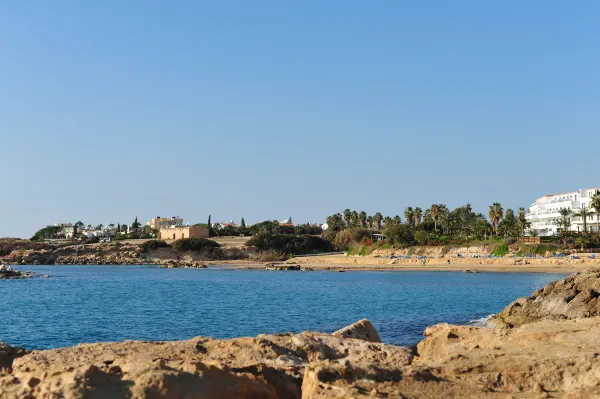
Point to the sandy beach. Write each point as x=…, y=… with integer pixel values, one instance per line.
x=367, y=263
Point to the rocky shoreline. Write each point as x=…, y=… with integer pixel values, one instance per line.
x=104, y=255
x=541, y=346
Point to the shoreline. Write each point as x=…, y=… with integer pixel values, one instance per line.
x=338, y=267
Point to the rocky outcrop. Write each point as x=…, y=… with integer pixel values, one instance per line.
x=570, y=298
x=281, y=266
x=119, y=254
x=362, y=329
x=9, y=273
x=269, y=366
x=7, y=355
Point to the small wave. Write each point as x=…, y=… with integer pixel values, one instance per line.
x=482, y=322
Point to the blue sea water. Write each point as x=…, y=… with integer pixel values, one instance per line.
x=80, y=304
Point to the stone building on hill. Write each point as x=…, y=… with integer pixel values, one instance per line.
x=177, y=233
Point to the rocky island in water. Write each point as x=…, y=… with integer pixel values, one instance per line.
x=542, y=346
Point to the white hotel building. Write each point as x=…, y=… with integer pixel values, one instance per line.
x=544, y=216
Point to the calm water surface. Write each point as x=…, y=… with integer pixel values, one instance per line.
x=112, y=303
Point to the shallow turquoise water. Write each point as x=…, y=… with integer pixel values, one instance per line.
x=112, y=303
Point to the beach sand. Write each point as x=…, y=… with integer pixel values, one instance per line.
x=349, y=263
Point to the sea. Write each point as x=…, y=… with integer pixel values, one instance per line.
x=80, y=304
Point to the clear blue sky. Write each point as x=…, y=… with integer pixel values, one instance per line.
x=269, y=109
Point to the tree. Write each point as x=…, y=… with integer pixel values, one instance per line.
x=354, y=219
x=584, y=212
x=464, y=218
x=243, y=223
x=370, y=222
x=397, y=220
x=496, y=214
x=409, y=215
x=211, y=230
x=377, y=219
x=417, y=215
x=400, y=234
x=522, y=222
x=347, y=216
x=583, y=241
x=118, y=227
x=595, y=204
x=79, y=224
x=387, y=222
x=362, y=219
x=564, y=223
x=135, y=225
x=481, y=226
x=435, y=211
x=46, y=233
x=335, y=222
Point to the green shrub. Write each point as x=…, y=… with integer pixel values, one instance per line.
x=154, y=244
x=346, y=238
x=270, y=256
x=46, y=233
x=92, y=240
x=421, y=237
x=399, y=235
x=194, y=244
x=500, y=250
x=290, y=244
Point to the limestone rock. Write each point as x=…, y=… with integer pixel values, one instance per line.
x=362, y=329
x=573, y=297
x=268, y=366
x=7, y=355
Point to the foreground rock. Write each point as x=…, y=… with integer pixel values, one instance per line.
x=570, y=298
x=546, y=359
x=7, y=355
x=271, y=366
x=362, y=329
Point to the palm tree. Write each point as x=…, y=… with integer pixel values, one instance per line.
x=595, y=203
x=397, y=219
x=496, y=214
x=584, y=212
x=480, y=225
x=582, y=241
x=387, y=221
x=377, y=219
x=522, y=222
x=362, y=219
x=434, y=211
x=409, y=215
x=418, y=214
x=354, y=218
x=564, y=223
x=370, y=222
x=347, y=215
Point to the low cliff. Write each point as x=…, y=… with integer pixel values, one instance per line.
x=119, y=254
x=548, y=355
